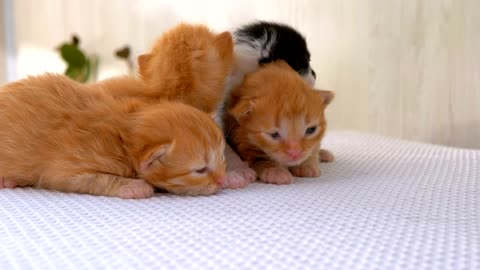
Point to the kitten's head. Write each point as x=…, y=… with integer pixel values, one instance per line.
x=263, y=42
x=280, y=114
x=179, y=149
x=189, y=62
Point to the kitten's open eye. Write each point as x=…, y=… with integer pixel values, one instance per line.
x=202, y=170
x=310, y=130
x=274, y=135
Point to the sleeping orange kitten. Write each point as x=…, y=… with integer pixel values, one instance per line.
x=188, y=63
x=56, y=134
x=276, y=123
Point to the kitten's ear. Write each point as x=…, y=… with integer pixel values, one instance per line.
x=224, y=43
x=327, y=96
x=143, y=60
x=155, y=154
x=242, y=108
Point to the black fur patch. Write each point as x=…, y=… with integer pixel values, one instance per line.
x=289, y=45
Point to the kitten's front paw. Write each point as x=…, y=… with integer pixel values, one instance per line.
x=326, y=156
x=276, y=175
x=239, y=178
x=306, y=170
x=7, y=183
x=136, y=189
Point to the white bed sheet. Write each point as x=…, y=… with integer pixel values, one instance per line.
x=384, y=204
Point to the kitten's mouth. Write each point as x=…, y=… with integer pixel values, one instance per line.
x=296, y=162
x=289, y=161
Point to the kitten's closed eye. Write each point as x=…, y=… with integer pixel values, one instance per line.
x=310, y=130
x=201, y=170
x=274, y=135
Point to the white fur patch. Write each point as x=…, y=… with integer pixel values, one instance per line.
x=248, y=52
x=309, y=79
x=247, y=57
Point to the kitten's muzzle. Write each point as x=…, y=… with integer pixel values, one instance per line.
x=294, y=150
x=221, y=180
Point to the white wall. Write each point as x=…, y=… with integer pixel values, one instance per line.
x=3, y=49
x=406, y=69
x=7, y=41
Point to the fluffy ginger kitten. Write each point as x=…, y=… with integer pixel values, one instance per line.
x=58, y=134
x=276, y=122
x=188, y=63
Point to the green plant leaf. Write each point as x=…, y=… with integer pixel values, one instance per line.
x=73, y=72
x=72, y=55
x=86, y=71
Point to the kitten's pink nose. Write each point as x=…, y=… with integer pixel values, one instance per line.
x=294, y=150
x=221, y=180
x=294, y=153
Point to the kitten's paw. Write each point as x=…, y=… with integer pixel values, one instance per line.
x=7, y=183
x=326, y=156
x=306, y=170
x=276, y=175
x=136, y=189
x=239, y=178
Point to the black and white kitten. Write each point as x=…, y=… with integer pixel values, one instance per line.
x=264, y=42
x=260, y=43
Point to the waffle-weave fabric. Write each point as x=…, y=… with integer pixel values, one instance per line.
x=383, y=204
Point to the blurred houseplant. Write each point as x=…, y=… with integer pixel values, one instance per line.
x=83, y=68
x=80, y=67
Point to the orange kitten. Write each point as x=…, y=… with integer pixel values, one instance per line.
x=189, y=63
x=56, y=134
x=276, y=123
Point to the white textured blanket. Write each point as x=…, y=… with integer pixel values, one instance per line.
x=384, y=204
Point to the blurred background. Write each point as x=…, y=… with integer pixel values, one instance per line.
x=404, y=69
